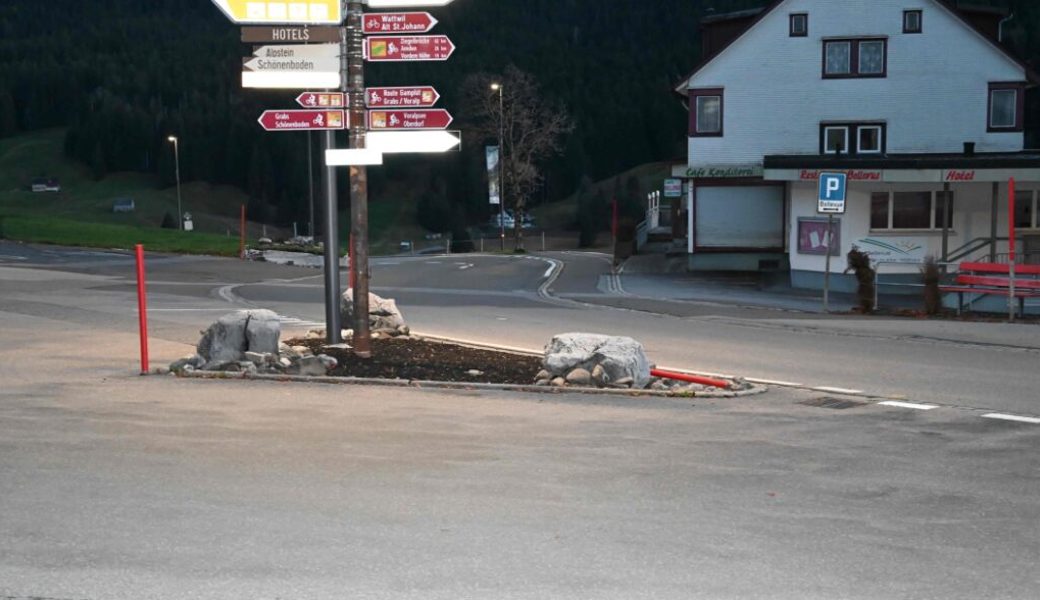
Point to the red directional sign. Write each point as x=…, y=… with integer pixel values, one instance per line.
x=390, y=48
x=407, y=22
x=322, y=99
x=401, y=97
x=302, y=120
x=437, y=118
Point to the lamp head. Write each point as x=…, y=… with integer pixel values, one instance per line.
x=172, y=138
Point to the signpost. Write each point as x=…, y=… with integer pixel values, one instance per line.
x=298, y=52
x=833, y=188
x=398, y=142
x=290, y=34
x=324, y=64
x=409, y=22
x=673, y=188
x=436, y=118
x=322, y=99
x=302, y=120
x=290, y=80
x=401, y=97
x=399, y=48
x=326, y=12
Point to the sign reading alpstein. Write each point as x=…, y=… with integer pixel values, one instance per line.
x=409, y=22
x=401, y=97
x=391, y=48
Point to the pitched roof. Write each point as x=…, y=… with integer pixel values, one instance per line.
x=949, y=5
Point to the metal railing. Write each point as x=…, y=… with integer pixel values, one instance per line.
x=973, y=246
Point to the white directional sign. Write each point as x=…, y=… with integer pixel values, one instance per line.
x=406, y=3
x=298, y=51
x=292, y=65
x=397, y=142
x=315, y=12
x=286, y=80
x=353, y=157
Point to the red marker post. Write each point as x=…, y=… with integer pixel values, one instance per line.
x=1011, y=249
x=142, y=308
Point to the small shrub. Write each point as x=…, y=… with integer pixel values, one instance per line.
x=930, y=274
x=859, y=264
x=168, y=222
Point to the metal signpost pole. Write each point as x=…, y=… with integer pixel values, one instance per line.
x=310, y=182
x=333, y=330
x=353, y=66
x=177, y=169
x=827, y=265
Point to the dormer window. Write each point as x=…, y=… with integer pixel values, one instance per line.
x=912, y=21
x=799, y=25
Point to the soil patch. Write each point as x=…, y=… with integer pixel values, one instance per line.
x=412, y=358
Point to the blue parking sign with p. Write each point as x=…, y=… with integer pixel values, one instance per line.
x=832, y=193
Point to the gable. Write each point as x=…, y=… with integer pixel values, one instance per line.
x=865, y=17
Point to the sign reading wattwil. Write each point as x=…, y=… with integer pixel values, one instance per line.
x=324, y=12
x=409, y=22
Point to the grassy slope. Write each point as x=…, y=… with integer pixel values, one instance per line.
x=563, y=214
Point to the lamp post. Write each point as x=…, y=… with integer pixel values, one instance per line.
x=177, y=167
x=501, y=165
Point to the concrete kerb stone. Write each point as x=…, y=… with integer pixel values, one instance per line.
x=462, y=385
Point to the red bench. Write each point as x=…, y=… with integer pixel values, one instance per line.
x=994, y=279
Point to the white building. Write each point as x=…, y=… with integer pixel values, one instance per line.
x=916, y=100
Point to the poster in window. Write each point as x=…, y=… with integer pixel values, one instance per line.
x=813, y=237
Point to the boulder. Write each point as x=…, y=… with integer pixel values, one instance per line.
x=620, y=358
x=312, y=366
x=579, y=376
x=239, y=332
x=383, y=314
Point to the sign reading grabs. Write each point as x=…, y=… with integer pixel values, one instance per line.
x=832, y=193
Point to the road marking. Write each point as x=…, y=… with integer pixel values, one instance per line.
x=911, y=405
x=228, y=293
x=1016, y=418
x=771, y=382
x=12, y=257
x=837, y=390
x=549, y=271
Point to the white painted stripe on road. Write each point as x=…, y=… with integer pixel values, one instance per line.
x=549, y=271
x=772, y=382
x=1016, y=418
x=837, y=390
x=12, y=257
x=911, y=405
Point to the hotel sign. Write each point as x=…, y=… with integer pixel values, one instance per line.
x=717, y=172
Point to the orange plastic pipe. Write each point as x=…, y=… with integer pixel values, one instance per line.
x=689, y=378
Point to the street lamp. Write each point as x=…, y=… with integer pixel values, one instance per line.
x=497, y=87
x=177, y=163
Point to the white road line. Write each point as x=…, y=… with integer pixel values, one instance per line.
x=11, y=257
x=837, y=390
x=1016, y=418
x=911, y=405
x=771, y=382
x=549, y=271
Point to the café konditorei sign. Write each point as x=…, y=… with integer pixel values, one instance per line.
x=717, y=172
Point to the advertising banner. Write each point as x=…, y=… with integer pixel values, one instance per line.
x=494, y=187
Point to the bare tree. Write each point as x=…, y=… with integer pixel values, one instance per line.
x=532, y=129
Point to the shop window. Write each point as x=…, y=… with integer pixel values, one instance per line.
x=912, y=21
x=1006, y=107
x=799, y=25
x=706, y=112
x=1025, y=209
x=909, y=210
x=855, y=58
x=855, y=138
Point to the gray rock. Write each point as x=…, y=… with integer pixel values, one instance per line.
x=558, y=382
x=285, y=363
x=620, y=357
x=543, y=374
x=329, y=362
x=474, y=373
x=659, y=385
x=542, y=382
x=259, y=358
x=287, y=351
x=311, y=366
x=188, y=362
x=599, y=375
x=383, y=314
x=624, y=382
x=404, y=330
x=579, y=376
x=239, y=332
x=301, y=351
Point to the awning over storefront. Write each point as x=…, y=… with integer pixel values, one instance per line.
x=907, y=168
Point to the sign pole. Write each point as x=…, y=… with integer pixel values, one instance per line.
x=310, y=183
x=827, y=265
x=333, y=329
x=353, y=67
x=1011, y=249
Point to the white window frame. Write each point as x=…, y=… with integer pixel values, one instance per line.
x=880, y=139
x=849, y=72
x=993, y=106
x=793, y=18
x=697, y=107
x=920, y=20
x=933, y=226
x=859, y=58
x=826, y=146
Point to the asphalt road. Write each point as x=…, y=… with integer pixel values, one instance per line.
x=114, y=486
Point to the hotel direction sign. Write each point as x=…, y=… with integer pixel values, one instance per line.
x=716, y=172
x=290, y=35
